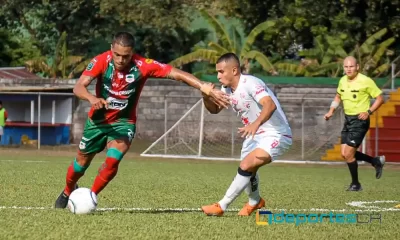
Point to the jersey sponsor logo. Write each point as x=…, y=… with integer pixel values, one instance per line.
x=160, y=64
x=259, y=89
x=119, y=93
x=130, y=78
x=245, y=121
x=117, y=104
x=148, y=60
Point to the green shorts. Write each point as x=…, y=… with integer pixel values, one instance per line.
x=96, y=136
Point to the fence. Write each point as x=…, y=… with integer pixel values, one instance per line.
x=180, y=126
x=199, y=134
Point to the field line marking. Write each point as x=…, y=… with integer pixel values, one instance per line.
x=166, y=210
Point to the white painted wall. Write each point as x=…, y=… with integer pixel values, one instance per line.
x=20, y=111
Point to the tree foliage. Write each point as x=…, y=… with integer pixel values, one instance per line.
x=229, y=40
x=163, y=30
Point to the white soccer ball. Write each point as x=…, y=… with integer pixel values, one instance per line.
x=82, y=201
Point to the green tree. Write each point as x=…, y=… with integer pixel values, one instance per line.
x=59, y=65
x=326, y=58
x=14, y=51
x=229, y=40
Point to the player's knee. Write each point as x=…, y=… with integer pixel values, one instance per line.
x=348, y=156
x=244, y=172
x=80, y=167
x=245, y=166
x=115, y=153
x=84, y=159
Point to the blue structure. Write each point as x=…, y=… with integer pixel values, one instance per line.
x=55, y=117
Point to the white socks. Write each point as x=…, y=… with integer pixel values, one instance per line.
x=252, y=190
x=235, y=189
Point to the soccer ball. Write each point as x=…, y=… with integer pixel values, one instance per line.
x=82, y=201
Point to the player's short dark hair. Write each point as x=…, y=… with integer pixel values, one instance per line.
x=229, y=57
x=124, y=39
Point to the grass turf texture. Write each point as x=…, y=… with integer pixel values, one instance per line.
x=162, y=183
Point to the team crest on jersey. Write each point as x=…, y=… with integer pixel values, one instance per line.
x=234, y=101
x=130, y=78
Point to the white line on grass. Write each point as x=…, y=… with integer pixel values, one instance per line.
x=277, y=161
x=25, y=161
x=167, y=210
x=368, y=205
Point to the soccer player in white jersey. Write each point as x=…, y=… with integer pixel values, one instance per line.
x=266, y=130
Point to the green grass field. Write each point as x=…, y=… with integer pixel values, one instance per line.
x=32, y=180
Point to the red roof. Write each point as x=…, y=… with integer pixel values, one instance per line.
x=17, y=73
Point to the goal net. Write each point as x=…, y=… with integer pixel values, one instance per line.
x=201, y=135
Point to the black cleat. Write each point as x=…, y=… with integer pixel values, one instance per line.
x=380, y=162
x=62, y=200
x=354, y=187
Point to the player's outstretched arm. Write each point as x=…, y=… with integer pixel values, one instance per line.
x=335, y=103
x=80, y=90
x=221, y=99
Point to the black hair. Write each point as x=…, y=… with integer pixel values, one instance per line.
x=229, y=57
x=124, y=39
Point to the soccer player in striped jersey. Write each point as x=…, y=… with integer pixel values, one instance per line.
x=121, y=75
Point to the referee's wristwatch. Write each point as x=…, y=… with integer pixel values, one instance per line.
x=369, y=112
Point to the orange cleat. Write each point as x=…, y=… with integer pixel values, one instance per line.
x=213, y=210
x=247, y=210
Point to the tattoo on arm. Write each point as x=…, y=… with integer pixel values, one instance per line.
x=86, y=80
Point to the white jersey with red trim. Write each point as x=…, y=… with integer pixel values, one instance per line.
x=245, y=100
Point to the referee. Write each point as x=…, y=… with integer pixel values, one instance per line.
x=355, y=91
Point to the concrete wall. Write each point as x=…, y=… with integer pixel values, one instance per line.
x=178, y=98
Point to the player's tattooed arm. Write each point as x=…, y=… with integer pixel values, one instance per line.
x=81, y=91
x=219, y=97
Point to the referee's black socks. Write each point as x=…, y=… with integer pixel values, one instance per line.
x=353, y=167
x=364, y=157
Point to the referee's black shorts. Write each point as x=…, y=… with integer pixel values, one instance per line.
x=354, y=130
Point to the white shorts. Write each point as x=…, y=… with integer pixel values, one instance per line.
x=1, y=130
x=274, y=144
